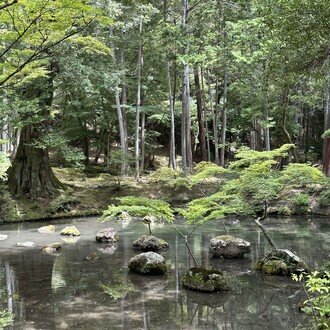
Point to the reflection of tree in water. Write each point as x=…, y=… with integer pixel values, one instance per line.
x=32, y=280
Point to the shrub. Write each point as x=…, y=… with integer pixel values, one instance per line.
x=301, y=175
x=317, y=287
x=301, y=204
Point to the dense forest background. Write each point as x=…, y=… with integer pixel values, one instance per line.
x=113, y=84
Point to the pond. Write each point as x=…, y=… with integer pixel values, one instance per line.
x=68, y=291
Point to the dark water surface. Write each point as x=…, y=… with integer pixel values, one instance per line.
x=69, y=292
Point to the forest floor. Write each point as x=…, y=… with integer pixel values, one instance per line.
x=87, y=195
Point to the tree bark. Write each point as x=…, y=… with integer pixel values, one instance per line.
x=137, y=113
x=187, y=159
x=200, y=114
x=31, y=174
x=121, y=118
x=171, y=100
x=326, y=142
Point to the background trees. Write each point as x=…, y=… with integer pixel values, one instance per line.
x=225, y=74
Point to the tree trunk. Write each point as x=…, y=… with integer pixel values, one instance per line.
x=224, y=120
x=137, y=114
x=215, y=123
x=326, y=142
x=171, y=100
x=143, y=140
x=121, y=118
x=200, y=114
x=187, y=159
x=30, y=174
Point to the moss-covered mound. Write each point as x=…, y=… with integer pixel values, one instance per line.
x=281, y=262
x=205, y=280
x=150, y=243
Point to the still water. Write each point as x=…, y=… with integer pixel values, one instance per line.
x=68, y=291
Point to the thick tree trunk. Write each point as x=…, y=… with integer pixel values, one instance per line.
x=200, y=114
x=30, y=174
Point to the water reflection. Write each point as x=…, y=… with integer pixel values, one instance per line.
x=68, y=291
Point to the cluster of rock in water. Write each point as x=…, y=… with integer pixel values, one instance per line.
x=151, y=262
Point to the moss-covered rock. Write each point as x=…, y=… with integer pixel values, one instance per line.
x=205, y=280
x=107, y=235
x=150, y=243
x=281, y=262
x=148, y=263
x=227, y=246
x=70, y=231
x=47, y=229
x=52, y=248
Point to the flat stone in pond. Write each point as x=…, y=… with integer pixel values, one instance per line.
x=107, y=235
x=281, y=262
x=227, y=246
x=150, y=243
x=47, y=229
x=205, y=280
x=3, y=237
x=148, y=263
x=70, y=231
x=25, y=244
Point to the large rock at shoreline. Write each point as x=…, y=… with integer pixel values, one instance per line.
x=70, y=231
x=150, y=243
x=227, y=246
x=205, y=280
x=281, y=262
x=107, y=235
x=47, y=229
x=148, y=263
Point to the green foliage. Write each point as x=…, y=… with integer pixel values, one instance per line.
x=170, y=178
x=140, y=207
x=301, y=203
x=4, y=164
x=6, y=318
x=324, y=198
x=318, y=302
x=63, y=153
x=301, y=175
x=259, y=182
x=326, y=134
x=246, y=157
x=207, y=170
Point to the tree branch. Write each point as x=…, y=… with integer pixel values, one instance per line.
x=8, y=4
